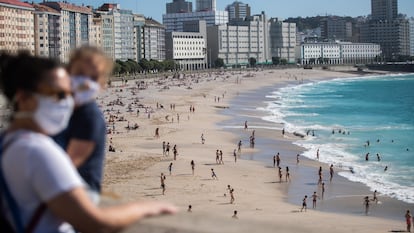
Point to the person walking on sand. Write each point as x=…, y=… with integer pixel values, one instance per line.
x=221, y=157
x=314, y=197
x=245, y=125
x=331, y=172
x=235, y=156
x=217, y=157
x=366, y=204
x=408, y=220
x=170, y=168
x=163, y=148
x=213, y=175
x=287, y=174
x=175, y=152
x=375, y=197
x=274, y=160
x=278, y=159
x=323, y=190
x=239, y=146
x=280, y=175
x=167, y=149
x=317, y=154
x=232, y=196
x=192, y=166
x=157, y=133
x=203, y=140
x=163, y=183
x=304, y=205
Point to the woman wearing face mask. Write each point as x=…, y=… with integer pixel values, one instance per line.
x=36, y=170
x=84, y=138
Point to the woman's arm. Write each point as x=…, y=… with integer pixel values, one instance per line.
x=75, y=208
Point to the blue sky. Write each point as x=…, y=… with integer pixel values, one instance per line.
x=273, y=8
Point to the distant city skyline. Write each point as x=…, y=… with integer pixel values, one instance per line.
x=283, y=9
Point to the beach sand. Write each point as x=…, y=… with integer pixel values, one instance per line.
x=133, y=171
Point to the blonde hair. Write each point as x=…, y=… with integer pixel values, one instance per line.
x=85, y=52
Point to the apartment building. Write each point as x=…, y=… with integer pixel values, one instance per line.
x=153, y=40
x=188, y=49
x=47, y=34
x=16, y=26
x=282, y=39
x=75, y=26
x=239, y=41
x=117, y=32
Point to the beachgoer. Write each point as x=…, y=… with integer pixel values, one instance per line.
x=170, y=168
x=235, y=156
x=375, y=197
x=232, y=196
x=283, y=132
x=280, y=175
x=163, y=183
x=408, y=220
x=245, y=125
x=314, y=197
x=221, y=157
x=167, y=149
x=366, y=204
x=35, y=169
x=213, y=175
x=331, y=172
x=163, y=148
x=367, y=157
x=203, y=140
x=217, y=157
x=386, y=168
x=84, y=138
x=378, y=158
x=304, y=205
x=192, y=166
x=323, y=190
x=157, y=133
x=317, y=154
x=287, y=174
x=297, y=159
x=278, y=159
x=239, y=146
x=190, y=209
x=235, y=215
x=274, y=160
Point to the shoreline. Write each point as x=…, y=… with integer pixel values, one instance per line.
x=132, y=172
x=337, y=199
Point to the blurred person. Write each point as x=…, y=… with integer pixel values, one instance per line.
x=84, y=138
x=36, y=170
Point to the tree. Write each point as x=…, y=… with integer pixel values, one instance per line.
x=219, y=62
x=283, y=61
x=145, y=64
x=252, y=61
x=117, y=68
x=276, y=60
x=312, y=61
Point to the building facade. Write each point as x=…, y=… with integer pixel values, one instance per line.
x=16, y=26
x=237, y=42
x=75, y=26
x=47, y=31
x=387, y=28
x=117, y=32
x=179, y=6
x=96, y=33
x=335, y=28
x=153, y=40
x=205, y=5
x=175, y=22
x=384, y=9
x=282, y=40
x=238, y=11
x=339, y=53
x=139, y=22
x=188, y=49
x=412, y=37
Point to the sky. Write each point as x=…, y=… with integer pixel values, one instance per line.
x=273, y=8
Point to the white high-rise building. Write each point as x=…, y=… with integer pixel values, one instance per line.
x=237, y=42
x=282, y=40
x=117, y=32
x=175, y=22
x=238, y=11
x=205, y=5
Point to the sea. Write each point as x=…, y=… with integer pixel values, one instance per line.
x=345, y=119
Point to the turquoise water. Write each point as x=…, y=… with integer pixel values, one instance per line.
x=375, y=109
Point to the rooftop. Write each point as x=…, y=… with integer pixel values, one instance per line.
x=68, y=7
x=44, y=8
x=16, y=3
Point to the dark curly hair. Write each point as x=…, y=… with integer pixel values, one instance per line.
x=23, y=72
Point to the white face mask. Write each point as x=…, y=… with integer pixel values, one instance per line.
x=85, y=90
x=51, y=115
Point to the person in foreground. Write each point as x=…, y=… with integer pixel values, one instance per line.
x=36, y=170
x=84, y=138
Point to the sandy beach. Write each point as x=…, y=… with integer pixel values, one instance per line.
x=133, y=171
